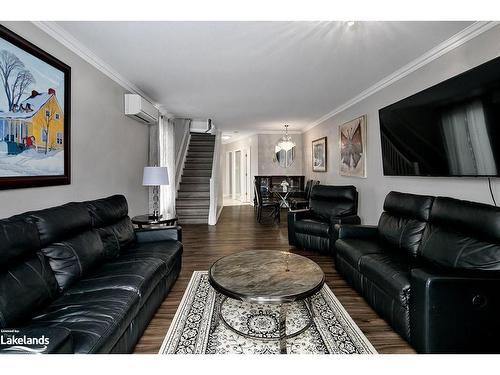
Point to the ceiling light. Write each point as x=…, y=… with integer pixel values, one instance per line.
x=226, y=137
x=350, y=23
x=286, y=142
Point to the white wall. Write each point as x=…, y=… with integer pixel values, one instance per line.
x=374, y=188
x=108, y=150
x=180, y=126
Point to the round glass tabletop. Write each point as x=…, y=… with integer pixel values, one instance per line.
x=266, y=276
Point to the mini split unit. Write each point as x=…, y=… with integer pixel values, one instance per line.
x=140, y=109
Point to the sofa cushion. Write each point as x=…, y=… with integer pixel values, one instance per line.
x=390, y=272
x=58, y=223
x=413, y=206
x=110, y=217
x=463, y=234
x=108, y=210
x=99, y=307
x=352, y=249
x=137, y=275
x=313, y=227
x=117, y=236
x=166, y=251
x=96, y=318
x=403, y=222
x=25, y=289
x=332, y=201
x=75, y=257
x=18, y=240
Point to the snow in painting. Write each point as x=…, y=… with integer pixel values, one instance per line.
x=31, y=115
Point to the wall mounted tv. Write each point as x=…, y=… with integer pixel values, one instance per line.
x=450, y=129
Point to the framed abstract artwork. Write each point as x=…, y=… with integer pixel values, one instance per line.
x=319, y=155
x=352, y=136
x=34, y=115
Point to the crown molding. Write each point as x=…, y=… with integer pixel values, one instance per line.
x=240, y=137
x=70, y=42
x=448, y=45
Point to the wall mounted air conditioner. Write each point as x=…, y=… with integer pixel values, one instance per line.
x=140, y=109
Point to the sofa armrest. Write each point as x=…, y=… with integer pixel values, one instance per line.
x=159, y=234
x=349, y=219
x=356, y=231
x=293, y=216
x=36, y=340
x=299, y=214
x=454, y=311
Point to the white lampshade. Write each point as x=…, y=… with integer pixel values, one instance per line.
x=155, y=176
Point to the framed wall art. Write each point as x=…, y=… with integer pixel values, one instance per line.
x=34, y=115
x=352, y=136
x=319, y=155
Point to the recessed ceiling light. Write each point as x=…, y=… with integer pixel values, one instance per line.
x=350, y=23
x=226, y=137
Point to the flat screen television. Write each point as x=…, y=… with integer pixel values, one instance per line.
x=450, y=129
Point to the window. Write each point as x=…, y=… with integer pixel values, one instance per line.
x=44, y=135
x=47, y=113
x=57, y=116
x=59, y=138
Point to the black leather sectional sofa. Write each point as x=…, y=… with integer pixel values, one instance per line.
x=81, y=276
x=431, y=268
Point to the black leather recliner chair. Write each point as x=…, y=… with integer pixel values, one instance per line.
x=431, y=268
x=80, y=275
x=314, y=228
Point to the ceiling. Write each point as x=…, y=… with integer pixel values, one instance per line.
x=257, y=75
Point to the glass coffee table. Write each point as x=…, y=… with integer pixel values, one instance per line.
x=266, y=277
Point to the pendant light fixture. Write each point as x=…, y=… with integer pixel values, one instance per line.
x=285, y=142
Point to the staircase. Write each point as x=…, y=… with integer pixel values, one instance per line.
x=193, y=196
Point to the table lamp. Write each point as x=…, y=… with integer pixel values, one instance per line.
x=155, y=176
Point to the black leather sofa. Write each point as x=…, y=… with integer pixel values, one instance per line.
x=431, y=268
x=81, y=276
x=314, y=228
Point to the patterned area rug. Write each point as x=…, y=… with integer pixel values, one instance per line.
x=332, y=332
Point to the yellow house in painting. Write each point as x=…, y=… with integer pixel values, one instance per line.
x=37, y=122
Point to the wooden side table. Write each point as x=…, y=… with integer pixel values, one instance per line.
x=146, y=220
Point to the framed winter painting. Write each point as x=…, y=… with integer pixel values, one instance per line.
x=319, y=155
x=352, y=136
x=34, y=115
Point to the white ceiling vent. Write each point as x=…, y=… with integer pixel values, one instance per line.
x=140, y=109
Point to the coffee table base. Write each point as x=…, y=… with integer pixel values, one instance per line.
x=218, y=316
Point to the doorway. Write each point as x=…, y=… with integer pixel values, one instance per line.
x=238, y=181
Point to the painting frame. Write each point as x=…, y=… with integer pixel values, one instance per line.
x=321, y=146
x=352, y=147
x=14, y=182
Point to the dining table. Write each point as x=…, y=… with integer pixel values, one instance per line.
x=283, y=195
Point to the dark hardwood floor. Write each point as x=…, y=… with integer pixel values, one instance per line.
x=236, y=231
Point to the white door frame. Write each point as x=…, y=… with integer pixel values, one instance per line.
x=245, y=175
x=234, y=196
x=246, y=178
x=229, y=174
